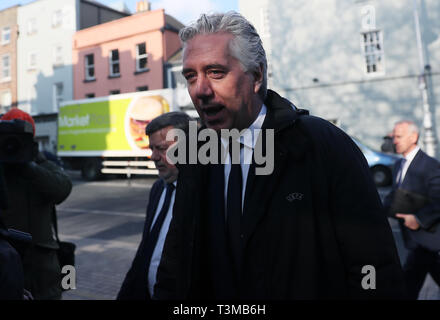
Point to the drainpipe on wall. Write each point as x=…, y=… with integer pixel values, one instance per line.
x=430, y=140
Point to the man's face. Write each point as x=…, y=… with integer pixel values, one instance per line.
x=159, y=145
x=404, y=139
x=224, y=95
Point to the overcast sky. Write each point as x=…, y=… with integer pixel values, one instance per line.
x=184, y=10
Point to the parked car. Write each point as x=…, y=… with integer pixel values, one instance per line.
x=380, y=163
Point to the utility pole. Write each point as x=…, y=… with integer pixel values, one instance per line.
x=429, y=140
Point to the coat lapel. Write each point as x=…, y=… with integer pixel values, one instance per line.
x=258, y=194
x=259, y=189
x=152, y=207
x=407, y=183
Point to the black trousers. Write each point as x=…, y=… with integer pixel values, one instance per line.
x=418, y=264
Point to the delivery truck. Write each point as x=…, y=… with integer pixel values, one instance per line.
x=106, y=135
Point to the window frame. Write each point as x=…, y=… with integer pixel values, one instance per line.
x=142, y=88
x=29, y=65
x=31, y=27
x=4, y=33
x=87, y=67
x=139, y=57
x=5, y=108
x=114, y=62
x=57, y=97
x=57, y=18
x=58, y=54
x=373, y=56
x=8, y=68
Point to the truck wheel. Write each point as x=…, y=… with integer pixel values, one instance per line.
x=91, y=170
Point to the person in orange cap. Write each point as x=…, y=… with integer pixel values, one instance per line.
x=16, y=113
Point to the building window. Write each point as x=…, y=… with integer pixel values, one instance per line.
x=90, y=67
x=58, y=55
x=115, y=92
x=143, y=88
x=6, y=68
x=57, y=18
x=6, y=35
x=5, y=102
x=372, y=48
x=90, y=95
x=141, y=57
x=32, y=60
x=32, y=26
x=68, y=19
x=58, y=89
x=114, y=62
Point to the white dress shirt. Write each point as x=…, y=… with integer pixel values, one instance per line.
x=157, y=252
x=248, y=139
x=409, y=158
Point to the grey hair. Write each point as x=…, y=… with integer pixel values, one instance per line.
x=412, y=127
x=178, y=120
x=246, y=46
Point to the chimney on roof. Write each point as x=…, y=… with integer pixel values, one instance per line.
x=143, y=5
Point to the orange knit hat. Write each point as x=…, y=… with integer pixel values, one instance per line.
x=16, y=113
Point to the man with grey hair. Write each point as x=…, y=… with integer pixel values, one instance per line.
x=416, y=175
x=140, y=279
x=309, y=229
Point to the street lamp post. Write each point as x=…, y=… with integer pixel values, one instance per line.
x=429, y=140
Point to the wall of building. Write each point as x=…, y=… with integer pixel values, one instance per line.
x=123, y=34
x=318, y=63
x=55, y=23
x=8, y=86
x=171, y=44
x=36, y=84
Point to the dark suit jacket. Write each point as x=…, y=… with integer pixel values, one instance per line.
x=422, y=177
x=135, y=285
x=309, y=228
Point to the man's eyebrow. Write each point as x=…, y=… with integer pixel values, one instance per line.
x=216, y=66
x=209, y=66
x=185, y=70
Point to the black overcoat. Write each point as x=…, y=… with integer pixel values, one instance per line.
x=311, y=229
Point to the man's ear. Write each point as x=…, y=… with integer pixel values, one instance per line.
x=415, y=138
x=258, y=78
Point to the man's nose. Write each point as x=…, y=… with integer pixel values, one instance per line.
x=203, y=88
x=155, y=155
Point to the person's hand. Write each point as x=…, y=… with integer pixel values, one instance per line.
x=410, y=220
x=27, y=295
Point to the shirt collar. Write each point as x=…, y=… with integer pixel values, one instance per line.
x=174, y=183
x=410, y=156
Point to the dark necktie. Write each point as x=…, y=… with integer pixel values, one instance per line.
x=154, y=232
x=400, y=173
x=234, y=212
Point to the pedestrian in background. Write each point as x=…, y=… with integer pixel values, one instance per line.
x=419, y=176
x=32, y=190
x=388, y=145
x=141, y=278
